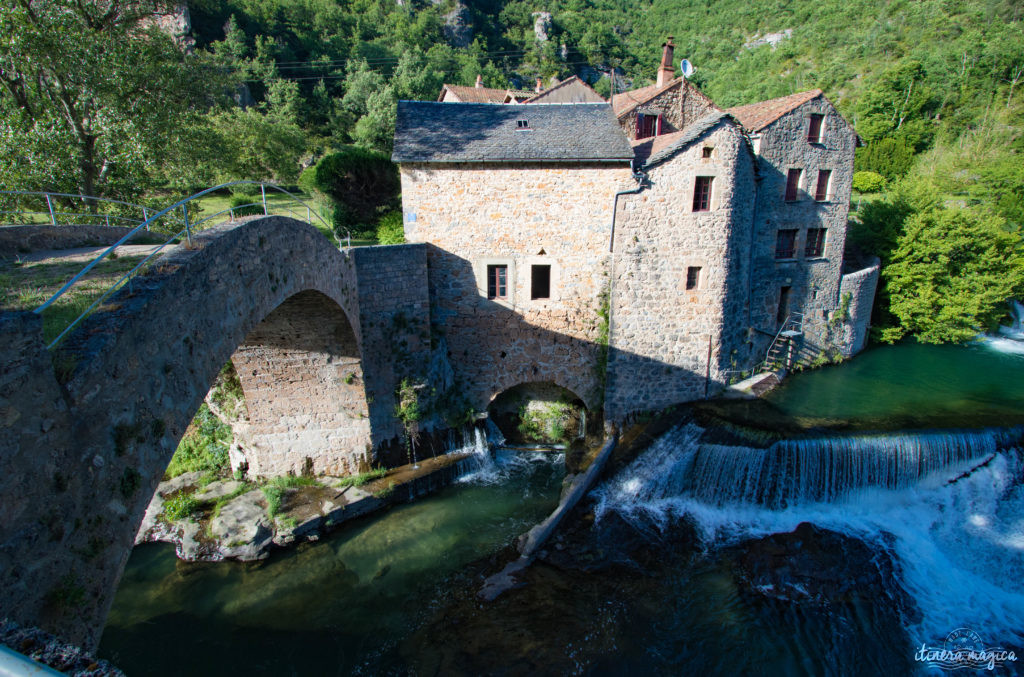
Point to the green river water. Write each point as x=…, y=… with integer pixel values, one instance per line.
x=394, y=594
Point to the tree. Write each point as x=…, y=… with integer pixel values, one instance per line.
x=92, y=93
x=951, y=275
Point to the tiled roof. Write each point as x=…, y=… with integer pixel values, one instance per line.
x=481, y=94
x=756, y=116
x=627, y=101
x=663, y=147
x=474, y=132
x=570, y=90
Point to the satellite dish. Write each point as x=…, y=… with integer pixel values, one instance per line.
x=687, y=67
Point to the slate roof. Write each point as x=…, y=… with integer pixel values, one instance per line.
x=482, y=94
x=427, y=131
x=756, y=116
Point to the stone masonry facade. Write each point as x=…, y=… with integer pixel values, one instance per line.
x=810, y=281
x=678, y=301
x=561, y=220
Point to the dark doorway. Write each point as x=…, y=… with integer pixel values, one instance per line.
x=783, y=311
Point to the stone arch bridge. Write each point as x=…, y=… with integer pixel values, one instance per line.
x=320, y=338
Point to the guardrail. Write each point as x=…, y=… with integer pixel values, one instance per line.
x=186, y=231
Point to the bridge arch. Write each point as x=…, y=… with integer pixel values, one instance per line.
x=539, y=411
x=90, y=429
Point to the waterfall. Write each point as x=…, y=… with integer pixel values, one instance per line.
x=1011, y=338
x=792, y=472
x=947, y=506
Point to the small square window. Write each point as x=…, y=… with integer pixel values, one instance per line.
x=785, y=244
x=793, y=184
x=708, y=150
x=821, y=190
x=522, y=124
x=497, y=282
x=693, y=277
x=815, y=242
x=814, y=128
x=540, y=282
x=647, y=125
x=702, y=193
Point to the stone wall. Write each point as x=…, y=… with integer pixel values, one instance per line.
x=861, y=287
x=519, y=216
x=813, y=281
x=670, y=344
x=86, y=437
x=16, y=240
x=679, y=105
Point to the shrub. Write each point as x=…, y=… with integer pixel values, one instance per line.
x=362, y=184
x=390, y=229
x=204, y=446
x=246, y=205
x=273, y=494
x=890, y=157
x=868, y=182
x=180, y=506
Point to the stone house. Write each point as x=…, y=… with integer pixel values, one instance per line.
x=515, y=206
x=635, y=270
x=667, y=106
x=480, y=94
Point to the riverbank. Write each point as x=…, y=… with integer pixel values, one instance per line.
x=210, y=521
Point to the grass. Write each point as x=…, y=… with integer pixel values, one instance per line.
x=180, y=506
x=204, y=446
x=26, y=285
x=362, y=478
x=275, y=489
x=277, y=203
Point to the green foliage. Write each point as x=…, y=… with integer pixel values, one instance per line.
x=363, y=184
x=408, y=409
x=891, y=158
x=385, y=492
x=546, y=422
x=246, y=205
x=292, y=481
x=868, y=182
x=362, y=478
x=227, y=392
x=180, y=506
x=274, y=495
x=204, y=446
x=951, y=275
x=390, y=229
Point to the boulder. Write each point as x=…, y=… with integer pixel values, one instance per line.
x=242, y=528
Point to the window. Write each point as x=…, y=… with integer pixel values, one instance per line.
x=821, y=191
x=793, y=184
x=497, y=282
x=708, y=150
x=647, y=125
x=702, y=194
x=815, y=242
x=540, y=282
x=785, y=244
x=522, y=124
x=693, y=277
x=814, y=128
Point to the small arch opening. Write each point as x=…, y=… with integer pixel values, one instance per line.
x=539, y=413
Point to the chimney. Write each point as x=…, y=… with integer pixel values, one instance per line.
x=479, y=81
x=665, y=71
x=540, y=86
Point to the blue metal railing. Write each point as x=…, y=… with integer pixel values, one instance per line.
x=189, y=228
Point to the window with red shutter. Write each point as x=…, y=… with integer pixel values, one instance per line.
x=785, y=244
x=497, y=282
x=815, y=242
x=821, y=190
x=814, y=128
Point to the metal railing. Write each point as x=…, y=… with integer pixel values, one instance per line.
x=56, y=217
x=189, y=228
x=793, y=323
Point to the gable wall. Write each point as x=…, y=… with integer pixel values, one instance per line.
x=814, y=282
x=661, y=332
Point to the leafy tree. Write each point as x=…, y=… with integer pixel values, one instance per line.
x=951, y=275
x=868, y=182
x=890, y=157
x=362, y=183
x=93, y=94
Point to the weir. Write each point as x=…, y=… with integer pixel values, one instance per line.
x=799, y=471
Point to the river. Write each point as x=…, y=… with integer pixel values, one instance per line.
x=654, y=581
